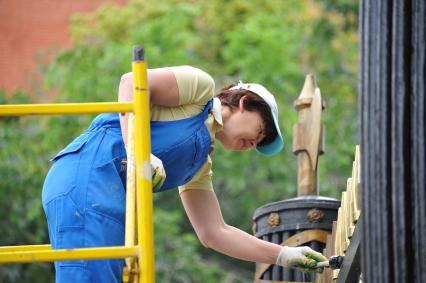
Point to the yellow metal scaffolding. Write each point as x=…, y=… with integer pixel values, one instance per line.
x=139, y=235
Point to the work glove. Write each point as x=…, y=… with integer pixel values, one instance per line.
x=158, y=172
x=304, y=259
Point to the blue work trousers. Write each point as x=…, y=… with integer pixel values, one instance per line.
x=84, y=201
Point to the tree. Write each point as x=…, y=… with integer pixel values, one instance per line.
x=267, y=41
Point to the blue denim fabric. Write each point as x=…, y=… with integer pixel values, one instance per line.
x=84, y=192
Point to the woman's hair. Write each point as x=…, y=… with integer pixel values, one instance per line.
x=252, y=103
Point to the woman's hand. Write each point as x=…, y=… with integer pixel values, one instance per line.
x=303, y=258
x=158, y=172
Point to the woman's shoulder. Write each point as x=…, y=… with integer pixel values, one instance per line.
x=196, y=88
x=191, y=73
x=195, y=85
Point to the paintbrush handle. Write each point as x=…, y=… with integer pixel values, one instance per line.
x=323, y=264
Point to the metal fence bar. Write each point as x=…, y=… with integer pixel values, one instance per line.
x=143, y=171
x=65, y=108
x=130, y=228
x=392, y=104
x=24, y=248
x=145, y=234
x=70, y=254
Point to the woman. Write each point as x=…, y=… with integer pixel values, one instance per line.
x=84, y=192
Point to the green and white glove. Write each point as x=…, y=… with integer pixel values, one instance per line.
x=158, y=172
x=304, y=259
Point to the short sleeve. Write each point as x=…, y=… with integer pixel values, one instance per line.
x=202, y=180
x=195, y=85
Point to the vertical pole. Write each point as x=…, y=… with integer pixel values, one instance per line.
x=393, y=149
x=143, y=167
x=130, y=231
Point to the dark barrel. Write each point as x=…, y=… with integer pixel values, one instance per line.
x=301, y=221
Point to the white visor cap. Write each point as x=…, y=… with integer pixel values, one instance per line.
x=277, y=144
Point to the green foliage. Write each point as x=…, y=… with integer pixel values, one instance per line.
x=23, y=163
x=177, y=258
x=272, y=42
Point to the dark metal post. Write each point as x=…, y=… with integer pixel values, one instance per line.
x=392, y=105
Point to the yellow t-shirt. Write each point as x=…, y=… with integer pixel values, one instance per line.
x=196, y=88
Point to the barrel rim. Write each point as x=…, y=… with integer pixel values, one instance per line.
x=295, y=228
x=297, y=203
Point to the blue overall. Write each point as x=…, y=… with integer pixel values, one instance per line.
x=84, y=194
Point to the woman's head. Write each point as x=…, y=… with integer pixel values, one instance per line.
x=248, y=119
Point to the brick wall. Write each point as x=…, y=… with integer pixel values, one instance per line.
x=29, y=31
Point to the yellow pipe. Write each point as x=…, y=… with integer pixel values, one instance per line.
x=131, y=185
x=130, y=188
x=143, y=168
x=65, y=108
x=71, y=254
x=24, y=248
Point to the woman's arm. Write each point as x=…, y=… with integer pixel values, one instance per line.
x=163, y=91
x=203, y=211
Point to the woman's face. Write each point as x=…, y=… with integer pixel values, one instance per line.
x=242, y=130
